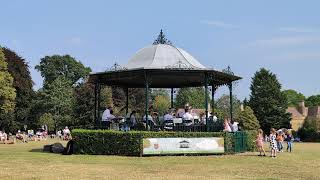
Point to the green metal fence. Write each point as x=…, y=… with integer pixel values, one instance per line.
x=240, y=142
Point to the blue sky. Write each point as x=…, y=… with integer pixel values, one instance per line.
x=283, y=36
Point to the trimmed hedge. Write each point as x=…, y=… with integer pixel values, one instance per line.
x=130, y=143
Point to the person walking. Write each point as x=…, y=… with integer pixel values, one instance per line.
x=289, y=141
x=259, y=143
x=273, y=143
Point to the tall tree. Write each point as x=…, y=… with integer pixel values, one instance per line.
x=23, y=84
x=194, y=96
x=247, y=119
x=52, y=67
x=59, y=100
x=223, y=106
x=83, y=110
x=7, y=92
x=313, y=101
x=293, y=97
x=268, y=102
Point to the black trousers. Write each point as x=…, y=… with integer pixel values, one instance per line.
x=106, y=124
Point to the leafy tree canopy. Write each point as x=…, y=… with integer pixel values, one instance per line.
x=52, y=67
x=223, y=106
x=7, y=91
x=195, y=96
x=59, y=100
x=47, y=119
x=83, y=109
x=248, y=120
x=313, y=101
x=161, y=104
x=268, y=102
x=293, y=97
x=23, y=84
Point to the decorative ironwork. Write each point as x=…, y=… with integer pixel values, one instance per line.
x=181, y=65
x=228, y=71
x=161, y=39
x=116, y=67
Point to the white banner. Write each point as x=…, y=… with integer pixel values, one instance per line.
x=211, y=145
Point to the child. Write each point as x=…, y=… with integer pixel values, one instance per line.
x=280, y=139
x=289, y=141
x=259, y=143
x=273, y=143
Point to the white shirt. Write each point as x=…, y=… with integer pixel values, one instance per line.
x=235, y=126
x=133, y=120
x=149, y=118
x=106, y=115
x=187, y=116
x=167, y=117
x=214, y=118
x=66, y=131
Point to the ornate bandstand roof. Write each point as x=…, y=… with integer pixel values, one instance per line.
x=163, y=56
x=164, y=66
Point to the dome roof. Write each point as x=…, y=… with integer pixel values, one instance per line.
x=163, y=56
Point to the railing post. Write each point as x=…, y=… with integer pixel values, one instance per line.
x=146, y=98
x=231, y=101
x=99, y=100
x=206, y=98
x=171, y=98
x=127, y=101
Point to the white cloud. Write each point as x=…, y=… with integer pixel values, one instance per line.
x=74, y=41
x=286, y=41
x=220, y=24
x=298, y=29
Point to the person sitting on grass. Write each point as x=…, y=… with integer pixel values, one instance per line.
x=259, y=143
x=273, y=143
x=20, y=136
x=3, y=137
x=66, y=134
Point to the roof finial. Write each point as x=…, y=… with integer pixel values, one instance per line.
x=161, y=39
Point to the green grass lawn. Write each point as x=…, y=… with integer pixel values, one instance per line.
x=26, y=161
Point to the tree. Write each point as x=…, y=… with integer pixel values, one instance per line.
x=268, y=102
x=59, y=100
x=223, y=106
x=106, y=97
x=7, y=93
x=194, y=96
x=83, y=109
x=161, y=104
x=23, y=84
x=47, y=119
x=52, y=67
x=159, y=92
x=247, y=119
x=293, y=97
x=313, y=101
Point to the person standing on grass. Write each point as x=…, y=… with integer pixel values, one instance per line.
x=259, y=143
x=289, y=141
x=273, y=143
x=280, y=139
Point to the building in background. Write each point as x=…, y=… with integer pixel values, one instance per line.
x=301, y=113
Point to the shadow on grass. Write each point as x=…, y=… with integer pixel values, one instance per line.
x=38, y=150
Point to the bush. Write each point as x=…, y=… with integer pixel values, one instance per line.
x=130, y=143
x=309, y=132
x=251, y=138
